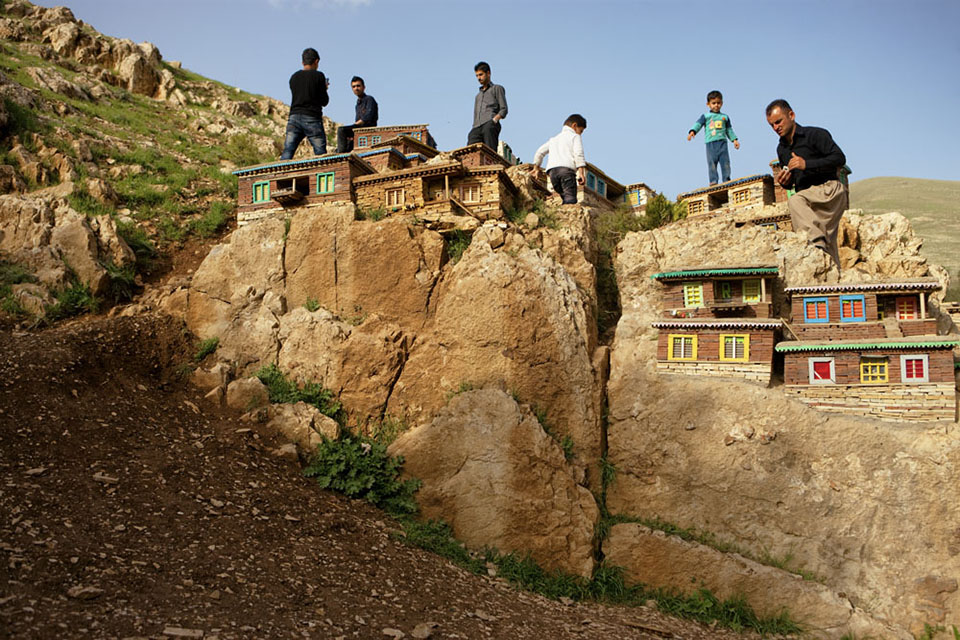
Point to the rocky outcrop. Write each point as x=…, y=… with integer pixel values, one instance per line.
x=855, y=501
x=668, y=561
x=499, y=480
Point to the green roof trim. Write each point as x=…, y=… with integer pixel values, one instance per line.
x=744, y=271
x=853, y=346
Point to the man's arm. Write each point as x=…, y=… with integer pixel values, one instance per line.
x=541, y=154
x=578, y=160
x=830, y=154
x=368, y=112
x=702, y=120
x=731, y=135
x=501, y=95
x=325, y=100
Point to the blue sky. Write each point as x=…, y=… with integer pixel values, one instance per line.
x=881, y=76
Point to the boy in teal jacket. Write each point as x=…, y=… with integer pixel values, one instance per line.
x=718, y=131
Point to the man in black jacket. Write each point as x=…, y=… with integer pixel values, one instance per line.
x=810, y=163
x=308, y=88
x=366, y=115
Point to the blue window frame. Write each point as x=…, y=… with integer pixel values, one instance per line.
x=816, y=310
x=853, y=309
x=591, y=181
x=374, y=139
x=601, y=187
x=362, y=141
x=417, y=135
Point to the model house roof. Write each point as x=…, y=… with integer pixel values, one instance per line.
x=911, y=342
x=285, y=166
x=722, y=323
x=680, y=273
x=637, y=185
x=423, y=170
x=725, y=185
x=619, y=188
x=477, y=146
x=903, y=286
x=422, y=147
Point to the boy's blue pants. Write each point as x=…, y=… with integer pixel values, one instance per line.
x=717, y=152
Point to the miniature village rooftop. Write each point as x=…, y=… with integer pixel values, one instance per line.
x=911, y=342
x=724, y=185
x=679, y=273
x=298, y=165
x=719, y=323
x=897, y=285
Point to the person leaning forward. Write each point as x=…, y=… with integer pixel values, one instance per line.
x=489, y=108
x=810, y=163
x=308, y=89
x=366, y=114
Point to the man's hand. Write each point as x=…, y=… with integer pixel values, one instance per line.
x=736, y=144
x=783, y=177
x=796, y=162
x=358, y=123
x=690, y=136
x=534, y=171
x=496, y=117
x=581, y=175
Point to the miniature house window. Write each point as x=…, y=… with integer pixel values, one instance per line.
x=695, y=206
x=633, y=198
x=261, y=191
x=682, y=347
x=815, y=310
x=740, y=196
x=601, y=187
x=751, y=291
x=725, y=291
x=693, y=294
x=416, y=135
x=591, y=181
x=873, y=370
x=906, y=308
x=394, y=197
x=852, y=309
x=915, y=368
x=374, y=139
x=325, y=182
x=735, y=347
x=362, y=141
x=881, y=311
x=470, y=192
x=822, y=371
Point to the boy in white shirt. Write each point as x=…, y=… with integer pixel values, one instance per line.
x=567, y=166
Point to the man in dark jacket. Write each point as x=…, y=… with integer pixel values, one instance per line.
x=489, y=108
x=308, y=88
x=810, y=163
x=366, y=115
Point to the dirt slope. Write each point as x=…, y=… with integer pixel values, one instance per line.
x=129, y=508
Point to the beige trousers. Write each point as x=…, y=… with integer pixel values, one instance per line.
x=817, y=211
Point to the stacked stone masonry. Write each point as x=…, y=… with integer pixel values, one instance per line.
x=917, y=403
x=754, y=372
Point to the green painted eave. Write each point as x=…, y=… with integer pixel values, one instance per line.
x=744, y=271
x=863, y=346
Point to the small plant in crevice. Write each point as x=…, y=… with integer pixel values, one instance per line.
x=205, y=348
x=282, y=390
x=359, y=467
x=311, y=305
x=72, y=301
x=122, y=281
x=138, y=240
x=463, y=387
x=567, y=445
x=457, y=243
x=374, y=215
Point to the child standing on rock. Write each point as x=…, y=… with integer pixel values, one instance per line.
x=718, y=131
x=567, y=166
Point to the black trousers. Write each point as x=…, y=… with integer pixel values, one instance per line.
x=488, y=133
x=345, y=138
x=564, y=182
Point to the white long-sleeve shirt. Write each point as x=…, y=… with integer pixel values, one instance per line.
x=565, y=150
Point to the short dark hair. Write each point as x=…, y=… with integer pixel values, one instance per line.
x=357, y=79
x=577, y=119
x=779, y=103
x=714, y=94
x=482, y=66
x=309, y=55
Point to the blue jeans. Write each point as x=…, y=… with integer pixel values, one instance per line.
x=300, y=126
x=717, y=152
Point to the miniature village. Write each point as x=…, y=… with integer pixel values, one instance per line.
x=862, y=349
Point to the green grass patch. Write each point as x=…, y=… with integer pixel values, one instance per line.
x=138, y=240
x=282, y=390
x=72, y=301
x=21, y=122
x=371, y=214
x=122, y=281
x=213, y=220
x=457, y=243
x=205, y=348
x=311, y=305
x=11, y=273
x=83, y=202
x=242, y=150
x=463, y=387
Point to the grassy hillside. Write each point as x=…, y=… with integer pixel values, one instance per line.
x=932, y=206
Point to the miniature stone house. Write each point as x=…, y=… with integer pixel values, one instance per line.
x=743, y=194
x=900, y=379
x=268, y=188
x=869, y=349
x=637, y=195
x=605, y=189
x=506, y=152
x=365, y=137
x=719, y=324
x=890, y=309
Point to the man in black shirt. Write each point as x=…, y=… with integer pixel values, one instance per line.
x=309, y=90
x=366, y=115
x=810, y=163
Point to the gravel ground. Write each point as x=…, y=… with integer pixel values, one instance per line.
x=130, y=508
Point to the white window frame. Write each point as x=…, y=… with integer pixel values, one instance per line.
x=926, y=368
x=833, y=370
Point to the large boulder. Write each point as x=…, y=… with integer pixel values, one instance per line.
x=491, y=472
x=355, y=268
x=515, y=318
x=137, y=74
x=302, y=424
x=857, y=502
x=77, y=244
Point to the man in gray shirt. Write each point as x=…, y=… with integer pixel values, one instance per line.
x=489, y=108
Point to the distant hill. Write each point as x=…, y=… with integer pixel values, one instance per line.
x=932, y=206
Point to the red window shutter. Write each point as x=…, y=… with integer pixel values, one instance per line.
x=914, y=368
x=821, y=370
x=858, y=309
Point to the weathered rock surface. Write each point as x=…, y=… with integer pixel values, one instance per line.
x=656, y=558
x=511, y=317
x=856, y=501
x=490, y=470
x=246, y=394
x=302, y=424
